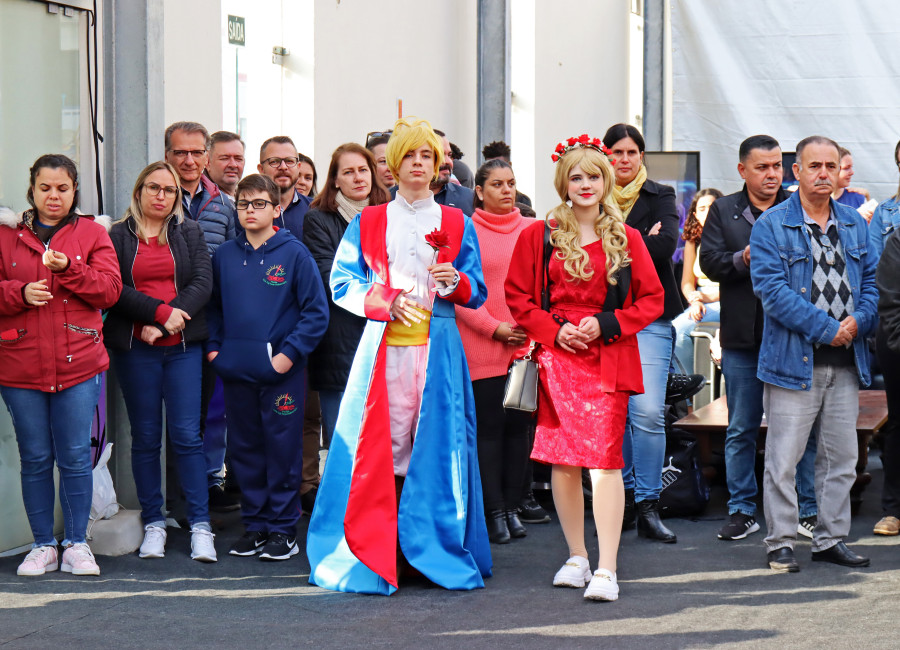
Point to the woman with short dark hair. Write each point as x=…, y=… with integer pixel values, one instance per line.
x=58, y=269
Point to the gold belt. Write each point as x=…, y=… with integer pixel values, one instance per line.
x=400, y=335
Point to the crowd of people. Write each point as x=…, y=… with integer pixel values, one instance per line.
x=376, y=315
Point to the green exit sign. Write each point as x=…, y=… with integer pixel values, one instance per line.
x=236, y=30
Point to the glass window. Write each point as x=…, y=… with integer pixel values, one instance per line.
x=43, y=95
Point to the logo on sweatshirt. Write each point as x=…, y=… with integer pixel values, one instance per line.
x=284, y=405
x=275, y=275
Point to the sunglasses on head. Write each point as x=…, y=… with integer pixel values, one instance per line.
x=374, y=135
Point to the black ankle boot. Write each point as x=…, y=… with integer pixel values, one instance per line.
x=498, y=531
x=649, y=524
x=628, y=517
x=516, y=529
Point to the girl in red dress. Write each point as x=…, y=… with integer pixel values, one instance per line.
x=603, y=290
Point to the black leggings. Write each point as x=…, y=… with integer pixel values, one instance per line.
x=502, y=445
x=890, y=455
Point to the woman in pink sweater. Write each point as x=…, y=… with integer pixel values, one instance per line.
x=490, y=337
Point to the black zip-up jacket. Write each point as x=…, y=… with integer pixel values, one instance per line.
x=656, y=202
x=329, y=364
x=193, y=284
x=726, y=234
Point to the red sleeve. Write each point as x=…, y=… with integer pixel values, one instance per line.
x=378, y=301
x=96, y=280
x=648, y=296
x=523, y=286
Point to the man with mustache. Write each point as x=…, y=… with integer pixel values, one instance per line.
x=815, y=275
x=725, y=258
x=279, y=161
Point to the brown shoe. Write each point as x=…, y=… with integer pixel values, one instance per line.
x=887, y=526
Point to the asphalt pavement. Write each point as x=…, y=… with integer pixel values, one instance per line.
x=698, y=593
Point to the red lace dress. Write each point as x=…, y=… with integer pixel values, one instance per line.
x=578, y=424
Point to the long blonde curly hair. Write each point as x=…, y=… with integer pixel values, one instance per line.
x=609, y=226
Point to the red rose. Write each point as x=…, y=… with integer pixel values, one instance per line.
x=437, y=239
x=554, y=157
x=597, y=142
x=560, y=148
x=583, y=138
x=571, y=141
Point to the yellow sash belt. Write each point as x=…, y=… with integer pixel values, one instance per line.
x=398, y=334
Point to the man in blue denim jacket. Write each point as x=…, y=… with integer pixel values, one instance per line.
x=814, y=274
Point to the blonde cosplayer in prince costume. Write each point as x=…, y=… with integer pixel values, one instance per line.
x=407, y=420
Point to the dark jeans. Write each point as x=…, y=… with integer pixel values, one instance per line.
x=890, y=454
x=55, y=427
x=502, y=445
x=151, y=376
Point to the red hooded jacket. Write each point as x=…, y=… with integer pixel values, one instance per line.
x=60, y=344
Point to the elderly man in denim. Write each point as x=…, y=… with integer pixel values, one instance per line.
x=813, y=271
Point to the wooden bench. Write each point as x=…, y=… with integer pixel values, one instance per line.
x=712, y=420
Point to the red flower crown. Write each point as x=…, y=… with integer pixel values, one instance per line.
x=582, y=141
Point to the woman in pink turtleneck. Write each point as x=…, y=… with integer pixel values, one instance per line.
x=490, y=337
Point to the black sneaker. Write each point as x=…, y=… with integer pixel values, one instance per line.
x=221, y=501
x=249, y=544
x=738, y=527
x=682, y=387
x=807, y=525
x=279, y=547
x=531, y=512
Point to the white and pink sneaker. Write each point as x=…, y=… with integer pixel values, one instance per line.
x=79, y=561
x=39, y=561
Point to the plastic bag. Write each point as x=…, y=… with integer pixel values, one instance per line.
x=103, y=501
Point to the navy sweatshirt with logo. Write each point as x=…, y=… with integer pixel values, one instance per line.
x=265, y=301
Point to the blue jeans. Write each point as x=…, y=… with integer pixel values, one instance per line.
x=55, y=426
x=330, y=404
x=684, y=342
x=644, y=445
x=744, y=396
x=150, y=376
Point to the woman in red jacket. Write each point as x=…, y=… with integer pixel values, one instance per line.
x=603, y=290
x=58, y=269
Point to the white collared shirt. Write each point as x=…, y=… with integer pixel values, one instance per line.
x=408, y=253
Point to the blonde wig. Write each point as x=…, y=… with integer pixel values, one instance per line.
x=609, y=226
x=410, y=134
x=136, y=212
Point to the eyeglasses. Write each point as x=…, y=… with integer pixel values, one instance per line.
x=275, y=163
x=153, y=190
x=827, y=248
x=374, y=135
x=181, y=154
x=258, y=204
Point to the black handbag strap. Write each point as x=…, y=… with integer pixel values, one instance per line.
x=548, y=251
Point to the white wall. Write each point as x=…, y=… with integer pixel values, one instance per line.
x=193, y=62
x=370, y=54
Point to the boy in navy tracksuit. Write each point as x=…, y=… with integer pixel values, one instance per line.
x=267, y=313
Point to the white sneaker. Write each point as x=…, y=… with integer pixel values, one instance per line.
x=154, y=542
x=603, y=586
x=202, y=547
x=574, y=573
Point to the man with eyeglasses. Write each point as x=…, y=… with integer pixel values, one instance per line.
x=187, y=150
x=814, y=272
x=279, y=161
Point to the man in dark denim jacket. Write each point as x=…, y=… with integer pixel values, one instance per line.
x=813, y=271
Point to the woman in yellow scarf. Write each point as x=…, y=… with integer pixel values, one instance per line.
x=650, y=208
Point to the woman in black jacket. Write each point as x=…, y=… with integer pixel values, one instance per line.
x=650, y=208
x=155, y=332
x=349, y=187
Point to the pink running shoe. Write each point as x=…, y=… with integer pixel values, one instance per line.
x=39, y=561
x=79, y=561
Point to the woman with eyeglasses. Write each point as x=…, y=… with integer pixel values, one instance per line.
x=57, y=271
x=156, y=332
x=349, y=187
